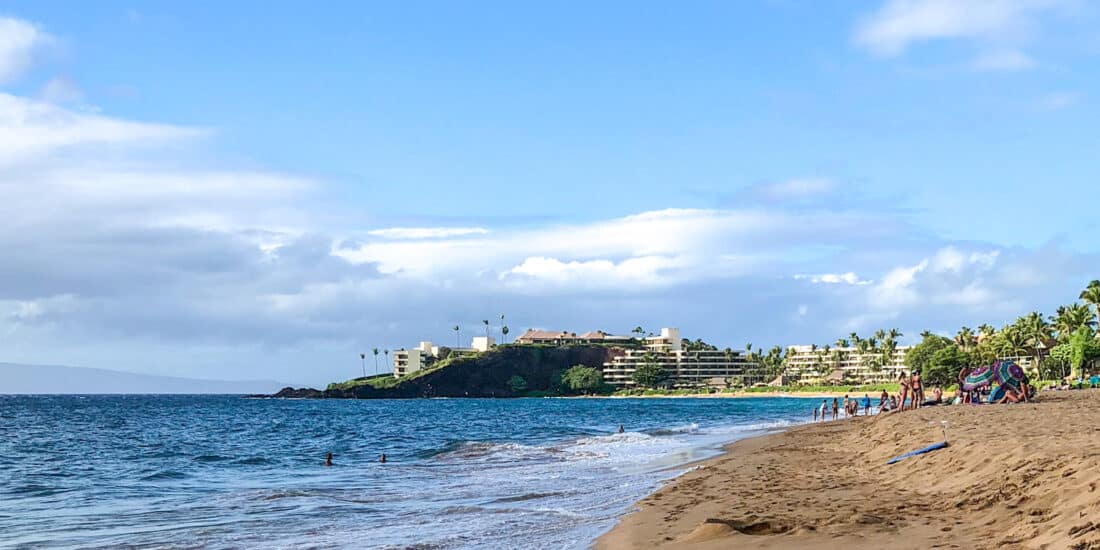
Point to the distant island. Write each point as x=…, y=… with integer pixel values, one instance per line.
x=56, y=379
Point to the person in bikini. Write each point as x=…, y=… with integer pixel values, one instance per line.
x=903, y=390
x=916, y=390
x=836, y=408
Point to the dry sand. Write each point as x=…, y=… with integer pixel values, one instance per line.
x=1013, y=476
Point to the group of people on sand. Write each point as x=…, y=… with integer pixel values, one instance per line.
x=911, y=395
x=1019, y=392
x=851, y=407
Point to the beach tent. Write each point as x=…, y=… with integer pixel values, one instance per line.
x=978, y=378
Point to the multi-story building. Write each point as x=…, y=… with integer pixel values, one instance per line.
x=684, y=367
x=408, y=361
x=814, y=364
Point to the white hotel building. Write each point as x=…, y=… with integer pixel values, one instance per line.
x=683, y=367
x=408, y=361
x=809, y=364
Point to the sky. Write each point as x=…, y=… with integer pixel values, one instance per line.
x=265, y=190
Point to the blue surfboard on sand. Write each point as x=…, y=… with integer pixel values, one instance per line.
x=927, y=449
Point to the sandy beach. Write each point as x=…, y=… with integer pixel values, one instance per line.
x=1013, y=476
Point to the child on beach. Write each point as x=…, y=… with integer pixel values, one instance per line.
x=815, y=413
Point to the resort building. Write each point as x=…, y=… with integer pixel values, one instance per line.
x=684, y=367
x=557, y=338
x=809, y=364
x=408, y=361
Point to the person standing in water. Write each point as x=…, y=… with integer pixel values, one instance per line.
x=866, y=405
x=816, y=409
x=621, y=428
x=382, y=458
x=836, y=408
x=328, y=459
x=824, y=409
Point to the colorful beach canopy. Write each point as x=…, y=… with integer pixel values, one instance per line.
x=978, y=378
x=1008, y=373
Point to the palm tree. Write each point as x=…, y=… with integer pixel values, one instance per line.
x=1012, y=342
x=456, y=336
x=376, y=360
x=894, y=334
x=841, y=342
x=502, y=328
x=387, y=352
x=639, y=331
x=965, y=339
x=503, y=334
x=1069, y=318
x=1091, y=296
x=986, y=331
x=486, y=321
x=363, y=359
x=1037, y=332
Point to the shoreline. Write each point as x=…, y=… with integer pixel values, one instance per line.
x=1025, y=475
x=742, y=395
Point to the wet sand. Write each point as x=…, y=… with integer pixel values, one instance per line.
x=1014, y=476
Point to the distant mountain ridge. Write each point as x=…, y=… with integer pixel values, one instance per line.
x=54, y=379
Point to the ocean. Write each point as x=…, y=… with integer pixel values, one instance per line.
x=228, y=472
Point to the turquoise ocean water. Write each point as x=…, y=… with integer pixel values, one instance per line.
x=228, y=472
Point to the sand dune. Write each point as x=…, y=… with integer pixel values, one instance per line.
x=1014, y=476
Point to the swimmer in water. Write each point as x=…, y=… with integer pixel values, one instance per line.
x=328, y=459
x=382, y=458
x=620, y=428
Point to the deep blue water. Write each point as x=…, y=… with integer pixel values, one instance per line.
x=227, y=472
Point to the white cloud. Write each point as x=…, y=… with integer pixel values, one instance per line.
x=643, y=271
x=849, y=278
x=697, y=244
x=19, y=41
x=795, y=189
x=1004, y=60
x=899, y=23
x=1056, y=101
x=61, y=89
x=29, y=129
x=426, y=232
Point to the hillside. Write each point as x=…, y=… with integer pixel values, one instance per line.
x=486, y=375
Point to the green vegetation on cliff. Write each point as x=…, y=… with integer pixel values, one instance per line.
x=505, y=371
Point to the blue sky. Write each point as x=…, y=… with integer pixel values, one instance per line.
x=265, y=189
